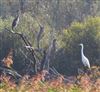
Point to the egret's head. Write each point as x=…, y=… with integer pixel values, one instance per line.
x=80, y=44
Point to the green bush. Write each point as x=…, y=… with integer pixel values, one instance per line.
x=67, y=58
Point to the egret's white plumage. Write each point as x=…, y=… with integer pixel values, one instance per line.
x=84, y=58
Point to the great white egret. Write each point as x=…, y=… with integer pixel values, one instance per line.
x=84, y=58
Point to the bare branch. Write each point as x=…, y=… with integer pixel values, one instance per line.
x=11, y=72
x=39, y=35
x=27, y=43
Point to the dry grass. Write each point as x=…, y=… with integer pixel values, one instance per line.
x=85, y=83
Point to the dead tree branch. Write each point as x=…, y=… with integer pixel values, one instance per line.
x=27, y=43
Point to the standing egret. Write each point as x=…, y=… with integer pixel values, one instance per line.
x=84, y=58
x=15, y=22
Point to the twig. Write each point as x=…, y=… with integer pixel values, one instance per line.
x=12, y=72
x=26, y=56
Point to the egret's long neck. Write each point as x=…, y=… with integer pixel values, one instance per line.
x=82, y=50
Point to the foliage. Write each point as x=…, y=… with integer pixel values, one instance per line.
x=85, y=83
x=57, y=13
x=70, y=22
x=86, y=32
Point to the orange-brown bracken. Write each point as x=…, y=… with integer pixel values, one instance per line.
x=7, y=61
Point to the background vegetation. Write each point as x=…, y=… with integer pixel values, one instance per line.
x=69, y=21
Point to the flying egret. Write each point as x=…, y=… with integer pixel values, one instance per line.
x=84, y=58
x=15, y=22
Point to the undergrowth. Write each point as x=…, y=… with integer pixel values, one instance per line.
x=82, y=83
